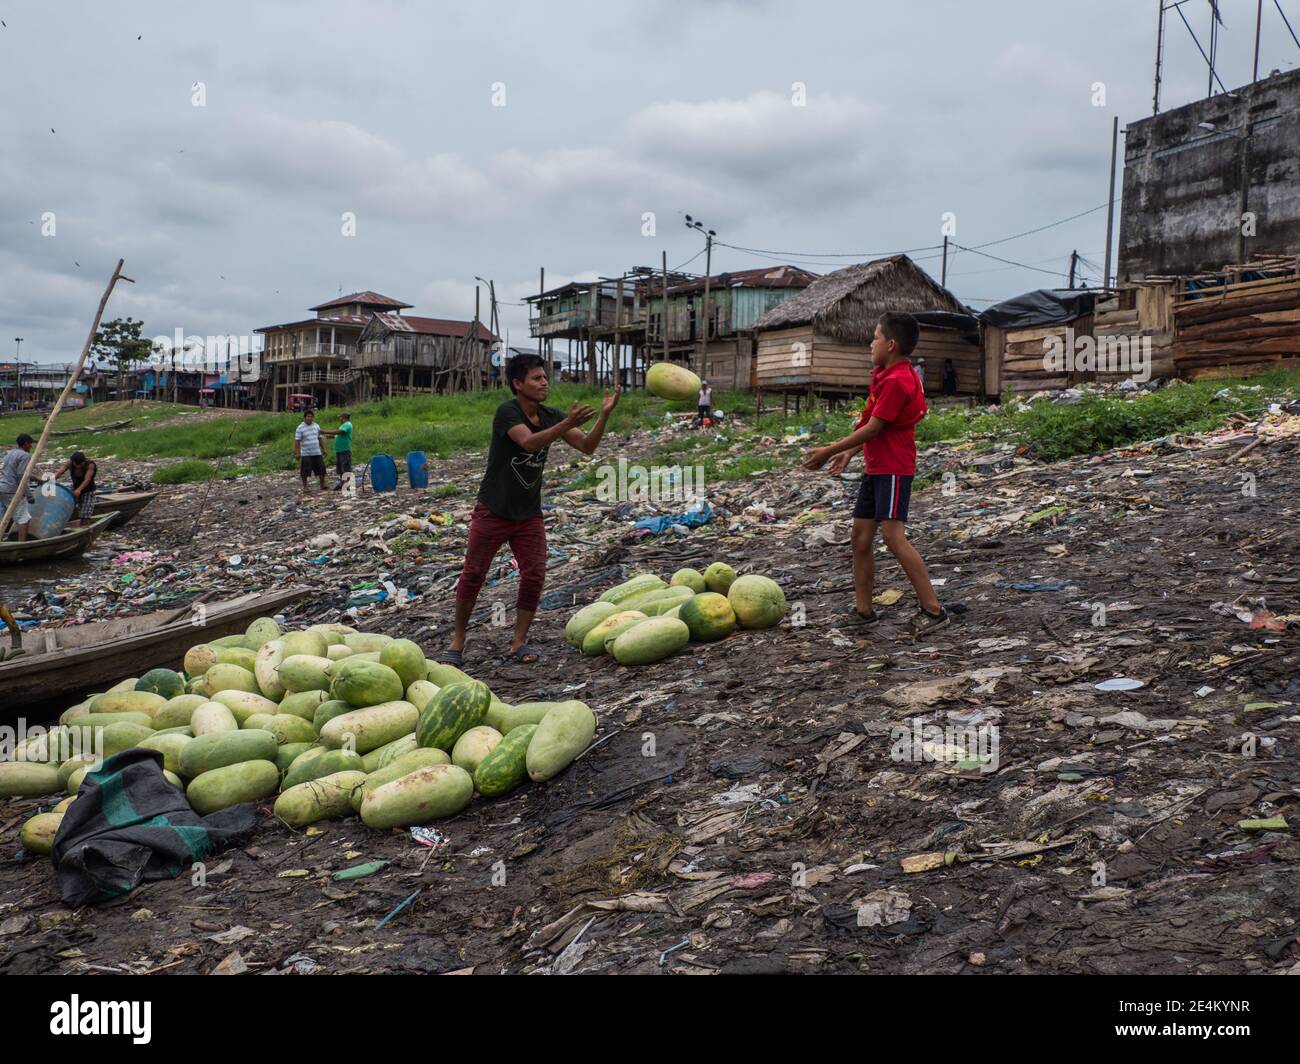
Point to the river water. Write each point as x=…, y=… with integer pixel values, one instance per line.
x=19, y=583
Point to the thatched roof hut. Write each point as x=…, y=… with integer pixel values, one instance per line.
x=847, y=304
x=820, y=339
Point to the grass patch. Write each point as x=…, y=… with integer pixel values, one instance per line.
x=190, y=471
x=446, y=425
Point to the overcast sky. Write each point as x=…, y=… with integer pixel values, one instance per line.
x=230, y=215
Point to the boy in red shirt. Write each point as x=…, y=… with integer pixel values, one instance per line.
x=886, y=432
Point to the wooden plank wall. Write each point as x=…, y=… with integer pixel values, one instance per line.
x=726, y=364
x=936, y=346
x=1024, y=353
x=1141, y=316
x=1238, y=329
x=836, y=366
x=775, y=364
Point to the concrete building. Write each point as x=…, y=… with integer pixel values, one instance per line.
x=1213, y=183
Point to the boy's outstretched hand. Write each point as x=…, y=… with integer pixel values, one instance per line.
x=839, y=463
x=610, y=401
x=817, y=458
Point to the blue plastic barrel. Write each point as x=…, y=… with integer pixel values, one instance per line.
x=52, y=510
x=417, y=469
x=383, y=473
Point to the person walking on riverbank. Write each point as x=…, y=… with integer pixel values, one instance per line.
x=509, y=508
x=307, y=449
x=342, y=448
x=12, y=467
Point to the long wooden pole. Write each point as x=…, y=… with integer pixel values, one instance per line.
x=58, y=405
x=1110, y=198
x=663, y=317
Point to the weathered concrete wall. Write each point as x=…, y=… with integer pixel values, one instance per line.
x=1183, y=187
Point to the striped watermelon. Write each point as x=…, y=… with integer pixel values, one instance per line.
x=637, y=585
x=506, y=767
x=451, y=713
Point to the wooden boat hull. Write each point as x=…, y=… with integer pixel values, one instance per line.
x=95, y=656
x=65, y=545
x=124, y=505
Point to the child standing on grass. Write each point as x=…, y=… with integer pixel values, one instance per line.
x=886, y=432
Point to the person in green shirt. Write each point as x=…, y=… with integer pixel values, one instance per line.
x=342, y=448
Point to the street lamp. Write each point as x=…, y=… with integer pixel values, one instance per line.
x=1210, y=127
x=18, y=370
x=709, y=234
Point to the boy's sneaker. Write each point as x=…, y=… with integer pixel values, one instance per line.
x=924, y=623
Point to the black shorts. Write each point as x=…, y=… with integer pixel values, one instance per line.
x=883, y=497
x=312, y=464
x=342, y=462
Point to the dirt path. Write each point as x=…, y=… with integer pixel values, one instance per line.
x=743, y=811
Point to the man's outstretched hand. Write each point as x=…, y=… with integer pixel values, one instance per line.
x=579, y=413
x=609, y=402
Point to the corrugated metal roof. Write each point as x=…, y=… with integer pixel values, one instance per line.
x=410, y=323
x=368, y=298
x=764, y=277
x=342, y=319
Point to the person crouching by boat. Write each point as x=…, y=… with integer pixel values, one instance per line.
x=82, y=473
x=12, y=467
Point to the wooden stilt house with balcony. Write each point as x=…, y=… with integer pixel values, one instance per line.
x=361, y=346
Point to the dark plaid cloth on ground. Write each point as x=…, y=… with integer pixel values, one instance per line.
x=129, y=825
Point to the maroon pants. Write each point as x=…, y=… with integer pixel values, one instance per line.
x=527, y=539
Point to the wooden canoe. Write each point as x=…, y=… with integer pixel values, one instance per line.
x=61, y=663
x=65, y=545
x=92, y=429
x=124, y=505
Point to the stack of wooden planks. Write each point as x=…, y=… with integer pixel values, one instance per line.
x=1024, y=355
x=1236, y=329
x=1133, y=331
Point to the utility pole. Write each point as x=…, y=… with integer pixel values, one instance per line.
x=1110, y=212
x=705, y=314
x=1074, y=258
x=663, y=314
x=1259, y=16
x=1160, y=48
x=943, y=276
x=18, y=369
x=1214, y=39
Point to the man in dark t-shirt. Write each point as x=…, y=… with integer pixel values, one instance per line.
x=509, y=508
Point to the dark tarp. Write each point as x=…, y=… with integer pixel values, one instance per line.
x=129, y=825
x=1047, y=306
x=946, y=319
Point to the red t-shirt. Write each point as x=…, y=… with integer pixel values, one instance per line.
x=896, y=397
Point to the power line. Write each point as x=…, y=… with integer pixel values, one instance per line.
x=1003, y=269
x=1050, y=225
x=828, y=254
x=813, y=258
x=1208, y=61
x=1012, y=262
x=1278, y=5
